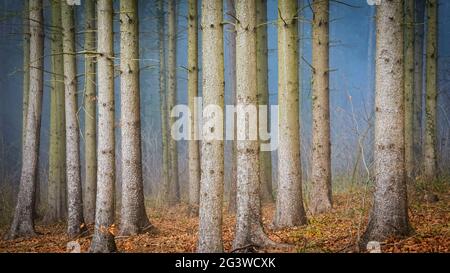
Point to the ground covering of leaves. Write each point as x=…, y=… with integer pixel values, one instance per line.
x=335, y=231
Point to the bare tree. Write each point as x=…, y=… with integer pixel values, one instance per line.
x=249, y=230
x=232, y=82
x=23, y=223
x=194, y=153
x=103, y=240
x=389, y=215
x=321, y=200
x=56, y=174
x=265, y=157
x=90, y=115
x=26, y=67
x=289, y=205
x=164, y=191
x=133, y=218
x=429, y=146
x=75, y=224
x=418, y=82
x=212, y=161
x=174, y=190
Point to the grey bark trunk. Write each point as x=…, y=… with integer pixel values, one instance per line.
x=249, y=230
x=232, y=64
x=56, y=174
x=389, y=215
x=23, y=223
x=409, y=89
x=103, y=240
x=75, y=224
x=164, y=192
x=194, y=153
x=265, y=157
x=429, y=156
x=321, y=200
x=174, y=190
x=212, y=161
x=418, y=83
x=133, y=218
x=26, y=67
x=90, y=115
x=289, y=206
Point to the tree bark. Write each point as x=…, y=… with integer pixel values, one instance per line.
x=249, y=230
x=174, y=190
x=265, y=157
x=232, y=64
x=389, y=215
x=429, y=160
x=26, y=67
x=289, y=206
x=321, y=199
x=23, y=223
x=418, y=84
x=134, y=218
x=194, y=153
x=409, y=88
x=103, y=240
x=164, y=192
x=212, y=161
x=56, y=174
x=75, y=225
x=419, y=27
x=90, y=115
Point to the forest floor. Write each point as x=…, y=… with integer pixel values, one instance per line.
x=335, y=231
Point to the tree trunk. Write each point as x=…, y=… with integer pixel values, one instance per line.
x=389, y=215
x=56, y=162
x=265, y=157
x=212, y=161
x=418, y=83
x=133, y=219
x=232, y=64
x=103, y=240
x=90, y=115
x=75, y=225
x=429, y=160
x=249, y=230
x=321, y=200
x=174, y=190
x=409, y=89
x=26, y=68
x=289, y=206
x=194, y=153
x=23, y=223
x=164, y=192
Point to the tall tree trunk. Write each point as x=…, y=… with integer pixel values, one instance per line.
x=429, y=160
x=75, y=224
x=90, y=115
x=232, y=64
x=133, y=218
x=26, y=67
x=23, y=223
x=418, y=83
x=249, y=230
x=103, y=240
x=389, y=215
x=174, y=189
x=164, y=192
x=212, y=161
x=56, y=174
x=289, y=205
x=194, y=153
x=321, y=200
x=409, y=88
x=265, y=157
